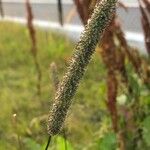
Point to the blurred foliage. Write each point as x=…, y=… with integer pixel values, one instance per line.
x=108, y=142
x=23, y=114
x=18, y=88
x=127, y=73
x=146, y=130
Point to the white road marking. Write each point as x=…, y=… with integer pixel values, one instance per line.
x=127, y=3
x=130, y=36
x=38, y=1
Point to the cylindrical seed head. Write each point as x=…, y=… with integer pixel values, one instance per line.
x=84, y=49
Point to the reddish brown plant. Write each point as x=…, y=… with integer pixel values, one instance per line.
x=32, y=34
x=145, y=12
x=79, y=7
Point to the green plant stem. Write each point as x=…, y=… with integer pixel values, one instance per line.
x=65, y=139
x=48, y=143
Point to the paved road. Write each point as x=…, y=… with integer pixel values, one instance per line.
x=47, y=11
x=67, y=1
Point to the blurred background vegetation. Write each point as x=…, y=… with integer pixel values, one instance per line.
x=111, y=109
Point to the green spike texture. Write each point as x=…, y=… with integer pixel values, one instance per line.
x=84, y=49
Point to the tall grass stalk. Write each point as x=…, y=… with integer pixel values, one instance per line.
x=145, y=12
x=60, y=12
x=54, y=75
x=32, y=33
x=1, y=9
x=80, y=10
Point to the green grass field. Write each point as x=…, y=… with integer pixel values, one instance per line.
x=18, y=90
x=23, y=113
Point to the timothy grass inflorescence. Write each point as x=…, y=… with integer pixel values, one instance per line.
x=84, y=49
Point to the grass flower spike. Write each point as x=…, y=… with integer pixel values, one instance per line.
x=84, y=49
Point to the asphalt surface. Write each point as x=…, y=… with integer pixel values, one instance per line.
x=67, y=1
